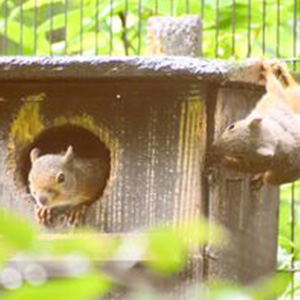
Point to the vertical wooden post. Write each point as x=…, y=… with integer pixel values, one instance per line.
x=250, y=217
x=180, y=36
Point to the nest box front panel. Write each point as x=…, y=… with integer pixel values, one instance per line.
x=154, y=129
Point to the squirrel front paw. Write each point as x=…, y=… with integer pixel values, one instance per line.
x=43, y=215
x=269, y=66
x=281, y=71
x=75, y=216
x=278, y=68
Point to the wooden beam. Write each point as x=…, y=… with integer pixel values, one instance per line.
x=180, y=36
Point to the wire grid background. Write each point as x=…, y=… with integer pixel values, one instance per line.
x=231, y=29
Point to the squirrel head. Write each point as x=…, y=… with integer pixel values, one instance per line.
x=248, y=144
x=51, y=179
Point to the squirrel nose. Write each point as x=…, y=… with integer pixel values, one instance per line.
x=43, y=200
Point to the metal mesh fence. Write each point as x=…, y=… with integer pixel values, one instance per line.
x=231, y=29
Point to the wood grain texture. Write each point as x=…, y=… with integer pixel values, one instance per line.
x=154, y=131
x=250, y=217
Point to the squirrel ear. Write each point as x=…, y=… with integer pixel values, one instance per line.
x=69, y=155
x=34, y=154
x=255, y=123
x=265, y=151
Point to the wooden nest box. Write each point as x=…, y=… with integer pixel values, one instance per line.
x=158, y=117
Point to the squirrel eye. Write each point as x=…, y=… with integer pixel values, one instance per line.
x=61, y=178
x=231, y=127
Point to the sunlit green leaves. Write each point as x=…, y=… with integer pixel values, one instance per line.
x=92, y=245
x=31, y=4
x=77, y=24
x=269, y=288
x=82, y=288
x=15, y=235
x=168, y=248
x=264, y=289
x=167, y=251
x=15, y=231
x=289, y=249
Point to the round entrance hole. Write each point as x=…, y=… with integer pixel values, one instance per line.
x=56, y=140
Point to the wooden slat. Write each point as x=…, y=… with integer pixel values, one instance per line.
x=251, y=217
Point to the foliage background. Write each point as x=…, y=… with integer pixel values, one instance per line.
x=231, y=28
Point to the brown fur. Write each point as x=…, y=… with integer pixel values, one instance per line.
x=57, y=180
x=267, y=141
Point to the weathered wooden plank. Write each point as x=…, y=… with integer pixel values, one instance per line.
x=153, y=132
x=251, y=217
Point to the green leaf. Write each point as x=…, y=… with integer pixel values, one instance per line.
x=85, y=287
x=14, y=32
x=15, y=231
x=168, y=247
x=94, y=245
x=167, y=251
x=270, y=288
x=223, y=290
x=200, y=232
x=58, y=21
x=31, y=4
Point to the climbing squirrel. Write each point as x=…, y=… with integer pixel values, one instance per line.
x=65, y=180
x=267, y=142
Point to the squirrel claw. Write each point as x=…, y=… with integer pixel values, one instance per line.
x=269, y=65
x=278, y=68
x=43, y=215
x=76, y=215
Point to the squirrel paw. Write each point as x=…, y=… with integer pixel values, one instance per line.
x=281, y=71
x=76, y=215
x=269, y=66
x=257, y=182
x=278, y=68
x=43, y=215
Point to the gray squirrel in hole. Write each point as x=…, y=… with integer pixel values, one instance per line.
x=65, y=180
x=267, y=142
